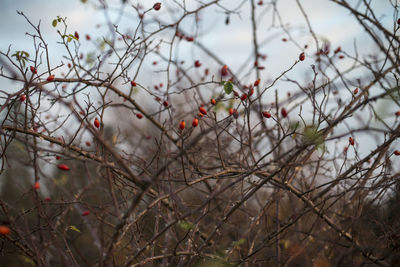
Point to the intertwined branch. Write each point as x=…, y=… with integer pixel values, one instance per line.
x=130, y=151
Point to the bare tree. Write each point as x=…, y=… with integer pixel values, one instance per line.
x=144, y=147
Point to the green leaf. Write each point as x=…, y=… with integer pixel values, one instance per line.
x=228, y=87
x=294, y=125
x=21, y=56
x=219, y=106
x=102, y=45
x=62, y=180
x=54, y=23
x=239, y=242
x=313, y=136
x=230, y=104
x=185, y=225
x=28, y=260
x=90, y=58
x=73, y=228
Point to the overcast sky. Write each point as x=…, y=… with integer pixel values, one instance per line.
x=328, y=19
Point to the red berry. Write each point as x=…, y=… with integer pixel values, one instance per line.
x=47, y=199
x=260, y=67
x=178, y=34
x=256, y=83
x=243, y=97
x=326, y=49
x=4, y=230
x=157, y=6
x=284, y=112
x=57, y=157
x=195, y=122
x=213, y=101
x=260, y=3
x=337, y=50
x=224, y=70
x=88, y=37
x=235, y=114
x=351, y=141
x=85, y=213
x=197, y=64
x=397, y=152
x=231, y=111
x=355, y=91
x=133, y=83
x=139, y=116
x=36, y=186
x=165, y=103
x=63, y=167
x=50, y=78
x=96, y=123
x=251, y=92
x=69, y=65
x=88, y=143
x=76, y=34
x=284, y=40
x=398, y=21
x=154, y=62
x=22, y=98
x=266, y=114
x=397, y=113
x=302, y=56
x=33, y=69
x=203, y=110
x=189, y=39
x=182, y=125
x=341, y=57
